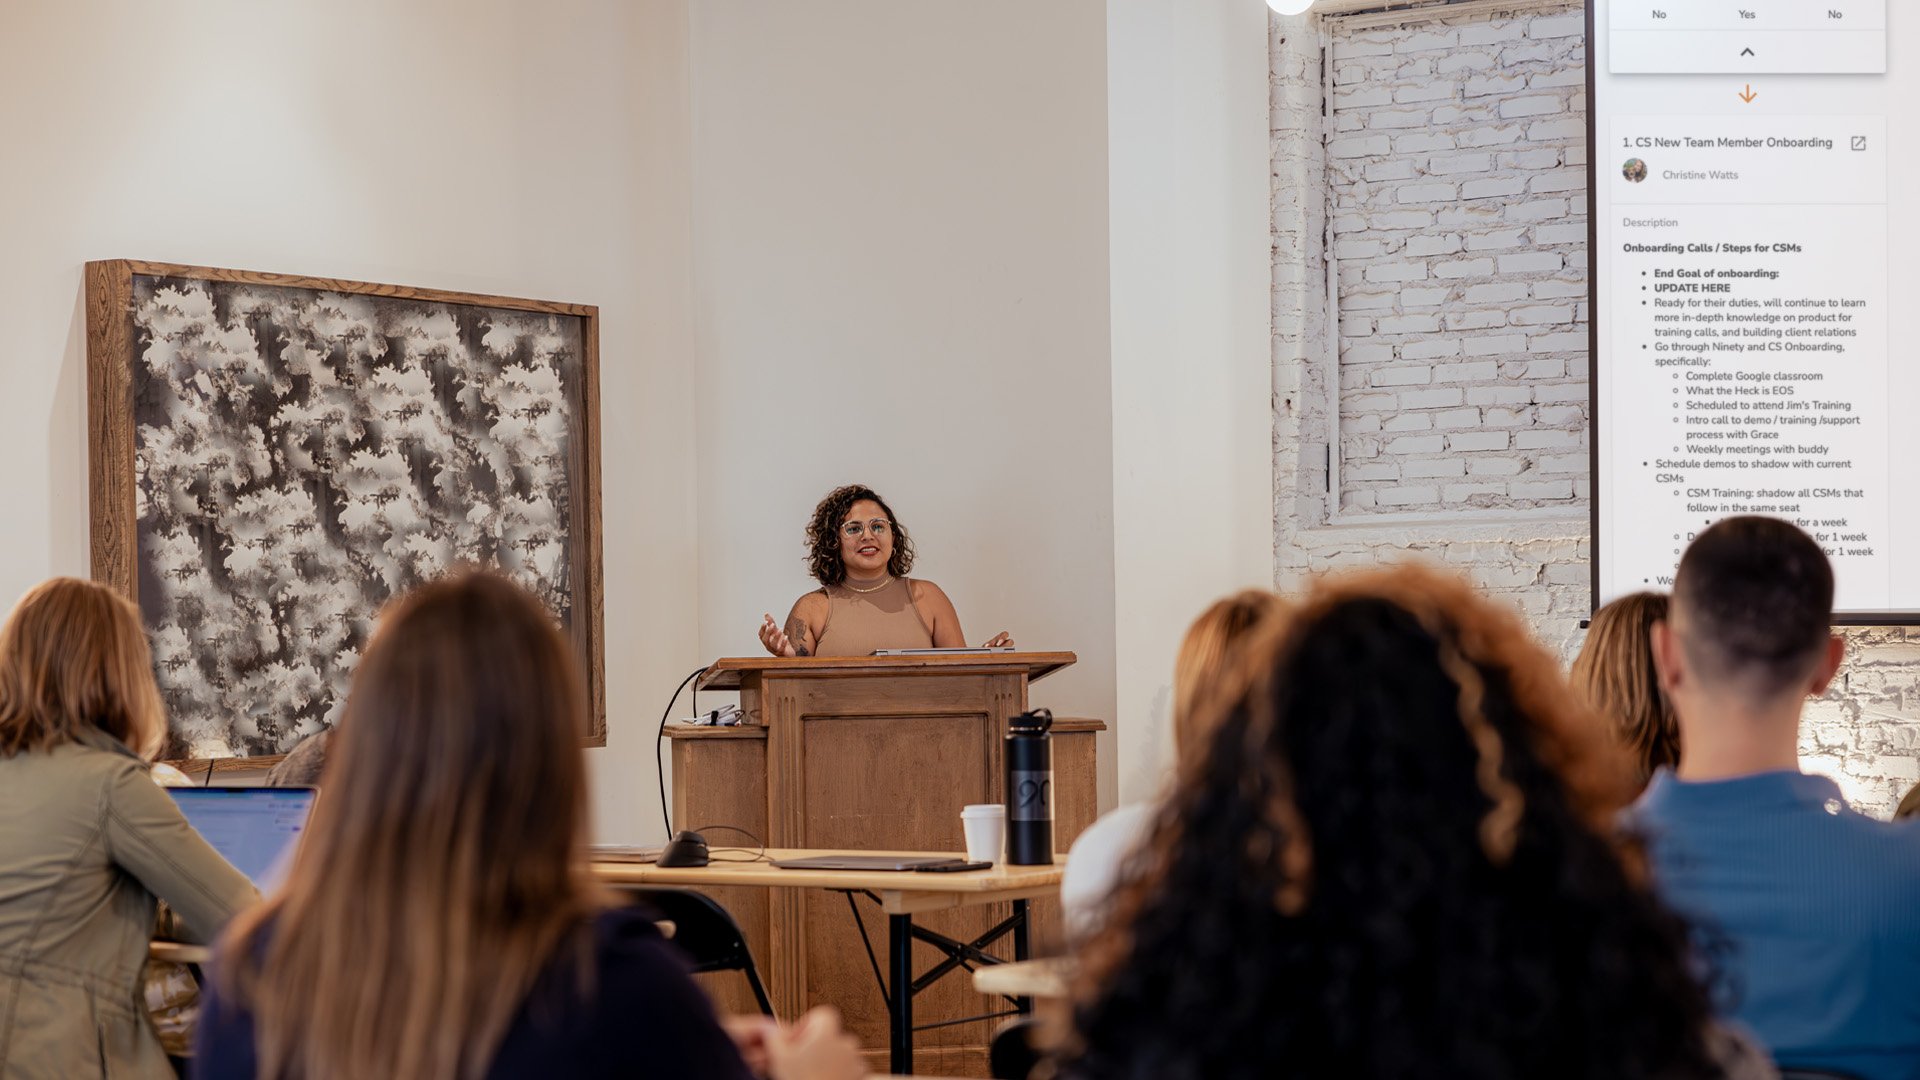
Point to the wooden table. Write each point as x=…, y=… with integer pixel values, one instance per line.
x=179, y=952
x=1050, y=978
x=902, y=895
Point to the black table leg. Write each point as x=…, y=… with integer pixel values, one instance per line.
x=1021, y=950
x=900, y=1000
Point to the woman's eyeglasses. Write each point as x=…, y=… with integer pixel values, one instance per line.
x=854, y=530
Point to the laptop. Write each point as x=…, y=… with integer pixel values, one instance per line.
x=623, y=853
x=948, y=651
x=254, y=828
x=862, y=862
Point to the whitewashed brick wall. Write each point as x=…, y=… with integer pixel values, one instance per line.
x=1448, y=173
x=1456, y=165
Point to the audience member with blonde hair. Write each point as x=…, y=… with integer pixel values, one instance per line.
x=1615, y=671
x=440, y=921
x=1098, y=858
x=1395, y=857
x=87, y=839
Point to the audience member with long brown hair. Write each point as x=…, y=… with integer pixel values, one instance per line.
x=440, y=922
x=1615, y=672
x=87, y=840
x=1101, y=853
x=1394, y=858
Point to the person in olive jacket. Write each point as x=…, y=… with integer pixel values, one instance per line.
x=88, y=841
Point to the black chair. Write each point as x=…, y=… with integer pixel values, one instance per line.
x=704, y=931
x=1014, y=1052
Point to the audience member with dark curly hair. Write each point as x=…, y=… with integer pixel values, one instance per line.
x=1396, y=860
x=860, y=554
x=1615, y=672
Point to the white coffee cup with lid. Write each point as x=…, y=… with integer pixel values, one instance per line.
x=986, y=828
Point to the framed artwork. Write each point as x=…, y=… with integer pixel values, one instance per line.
x=273, y=457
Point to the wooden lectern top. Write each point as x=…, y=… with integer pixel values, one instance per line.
x=728, y=672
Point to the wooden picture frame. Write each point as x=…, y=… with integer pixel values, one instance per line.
x=406, y=341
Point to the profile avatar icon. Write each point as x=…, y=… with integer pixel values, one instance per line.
x=1634, y=170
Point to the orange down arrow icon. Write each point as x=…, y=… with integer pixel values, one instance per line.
x=1749, y=95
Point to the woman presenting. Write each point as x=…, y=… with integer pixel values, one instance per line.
x=860, y=555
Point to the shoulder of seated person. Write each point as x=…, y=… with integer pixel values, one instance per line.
x=99, y=755
x=1095, y=859
x=1122, y=825
x=631, y=951
x=1907, y=838
x=1904, y=834
x=625, y=927
x=303, y=764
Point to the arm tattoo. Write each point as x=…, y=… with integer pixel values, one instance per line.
x=797, y=636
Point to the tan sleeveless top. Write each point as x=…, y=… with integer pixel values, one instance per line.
x=859, y=624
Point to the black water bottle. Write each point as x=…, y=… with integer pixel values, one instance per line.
x=1030, y=789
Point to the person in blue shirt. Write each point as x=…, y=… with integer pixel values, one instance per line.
x=1810, y=909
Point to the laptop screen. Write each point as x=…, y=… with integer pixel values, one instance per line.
x=253, y=828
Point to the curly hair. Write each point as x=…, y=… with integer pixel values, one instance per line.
x=1615, y=672
x=823, y=535
x=1395, y=859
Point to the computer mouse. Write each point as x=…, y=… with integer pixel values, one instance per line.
x=687, y=848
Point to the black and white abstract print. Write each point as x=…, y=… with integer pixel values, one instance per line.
x=302, y=456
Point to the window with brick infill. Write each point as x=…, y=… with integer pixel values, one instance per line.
x=1456, y=202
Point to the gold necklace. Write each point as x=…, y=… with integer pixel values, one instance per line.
x=876, y=588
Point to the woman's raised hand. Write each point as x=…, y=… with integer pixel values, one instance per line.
x=775, y=639
x=1001, y=640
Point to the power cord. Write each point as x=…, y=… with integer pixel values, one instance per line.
x=752, y=857
x=660, y=736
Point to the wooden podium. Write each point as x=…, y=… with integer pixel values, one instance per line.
x=867, y=753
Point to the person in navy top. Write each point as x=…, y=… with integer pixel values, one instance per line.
x=1810, y=909
x=645, y=1018
x=440, y=921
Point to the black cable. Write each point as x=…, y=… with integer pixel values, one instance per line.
x=752, y=857
x=666, y=816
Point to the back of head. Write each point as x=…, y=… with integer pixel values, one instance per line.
x=1615, y=672
x=1753, y=605
x=447, y=846
x=1393, y=859
x=1206, y=658
x=74, y=659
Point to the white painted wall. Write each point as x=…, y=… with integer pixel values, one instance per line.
x=1192, y=375
x=850, y=240
x=900, y=267
x=490, y=145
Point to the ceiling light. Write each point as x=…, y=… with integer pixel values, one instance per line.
x=1290, y=7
